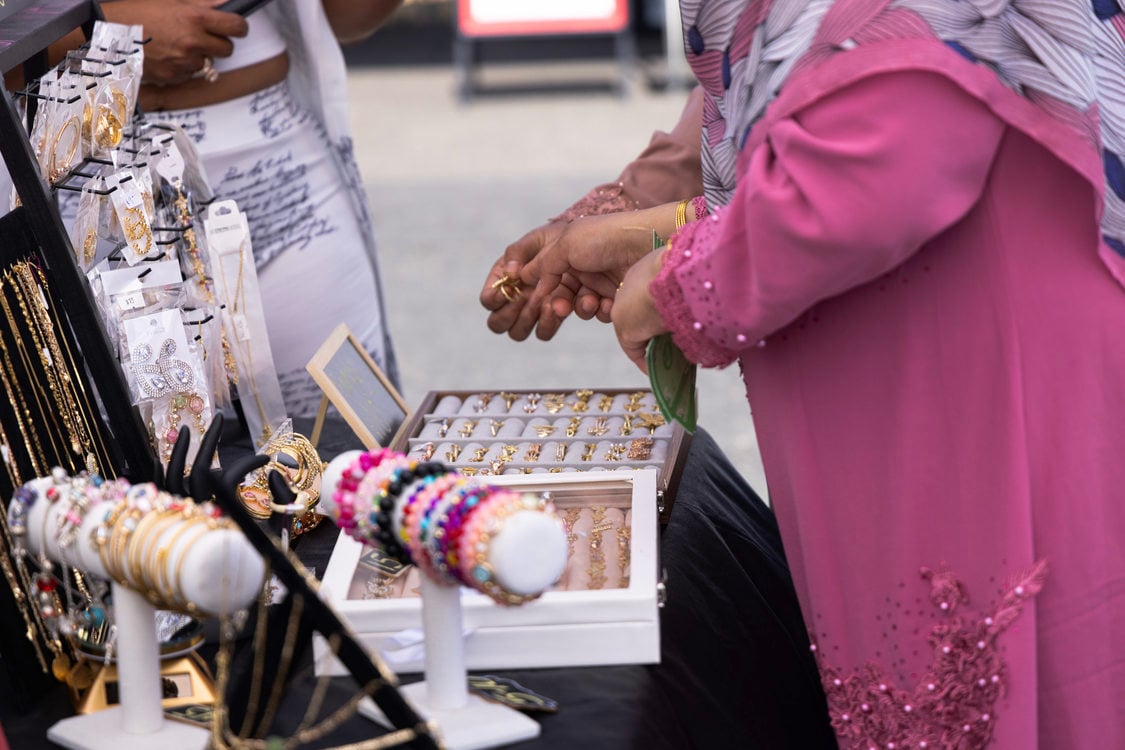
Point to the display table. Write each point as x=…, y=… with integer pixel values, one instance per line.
x=735, y=673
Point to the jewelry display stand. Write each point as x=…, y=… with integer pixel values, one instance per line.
x=24, y=38
x=138, y=722
x=467, y=722
x=359, y=664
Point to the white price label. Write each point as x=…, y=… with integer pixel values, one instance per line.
x=241, y=327
x=132, y=301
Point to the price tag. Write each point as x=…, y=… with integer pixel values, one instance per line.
x=241, y=327
x=132, y=301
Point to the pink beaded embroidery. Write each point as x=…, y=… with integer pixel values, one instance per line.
x=601, y=200
x=953, y=707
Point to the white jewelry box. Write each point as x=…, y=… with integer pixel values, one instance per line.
x=565, y=627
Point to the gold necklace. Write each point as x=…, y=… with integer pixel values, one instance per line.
x=38, y=395
x=35, y=289
x=16, y=397
x=50, y=356
x=105, y=470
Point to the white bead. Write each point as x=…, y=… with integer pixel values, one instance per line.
x=945, y=605
x=882, y=688
x=740, y=338
x=865, y=708
x=908, y=708
x=846, y=717
x=967, y=728
x=984, y=717
x=982, y=682
x=995, y=678
x=1019, y=590
x=837, y=682
x=931, y=687
x=981, y=645
x=697, y=326
x=988, y=621
x=708, y=285
x=945, y=649
x=923, y=743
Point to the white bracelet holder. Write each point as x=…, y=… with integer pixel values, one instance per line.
x=137, y=722
x=467, y=722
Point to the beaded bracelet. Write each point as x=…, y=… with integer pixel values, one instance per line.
x=416, y=513
x=475, y=544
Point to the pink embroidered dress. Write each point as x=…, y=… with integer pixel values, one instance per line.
x=914, y=266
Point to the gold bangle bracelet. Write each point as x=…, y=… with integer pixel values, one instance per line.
x=135, y=545
x=681, y=214
x=145, y=568
x=118, y=541
x=177, y=590
x=159, y=564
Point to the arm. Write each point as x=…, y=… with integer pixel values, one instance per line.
x=669, y=169
x=355, y=20
x=835, y=196
x=183, y=33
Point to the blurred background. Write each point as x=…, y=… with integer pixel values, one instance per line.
x=457, y=167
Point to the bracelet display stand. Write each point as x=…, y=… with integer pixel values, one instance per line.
x=351, y=654
x=468, y=722
x=138, y=722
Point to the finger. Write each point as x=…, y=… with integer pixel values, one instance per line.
x=586, y=303
x=549, y=322
x=636, y=355
x=529, y=317
x=502, y=319
x=491, y=298
x=600, y=284
x=223, y=24
x=605, y=310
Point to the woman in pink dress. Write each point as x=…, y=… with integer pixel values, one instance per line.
x=912, y=241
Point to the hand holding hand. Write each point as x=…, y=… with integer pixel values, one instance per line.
x=504, y=291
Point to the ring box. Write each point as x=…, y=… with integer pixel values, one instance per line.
x=490, y=432
x=603, y=610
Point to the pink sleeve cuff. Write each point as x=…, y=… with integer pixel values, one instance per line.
x=604, y=199
x=677, y=314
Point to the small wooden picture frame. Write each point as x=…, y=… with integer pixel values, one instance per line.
x=359, y=390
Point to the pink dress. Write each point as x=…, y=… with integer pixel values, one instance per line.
x=908, y=276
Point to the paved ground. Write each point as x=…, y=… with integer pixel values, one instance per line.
x=451, y=184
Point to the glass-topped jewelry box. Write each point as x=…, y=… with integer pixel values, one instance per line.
x=548, y=432
x=603, y=610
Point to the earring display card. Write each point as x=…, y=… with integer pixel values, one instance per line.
x=603, y=609
x=488, y=433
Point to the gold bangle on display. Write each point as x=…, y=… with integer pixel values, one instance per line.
x=59, y=167
x=162, y=577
